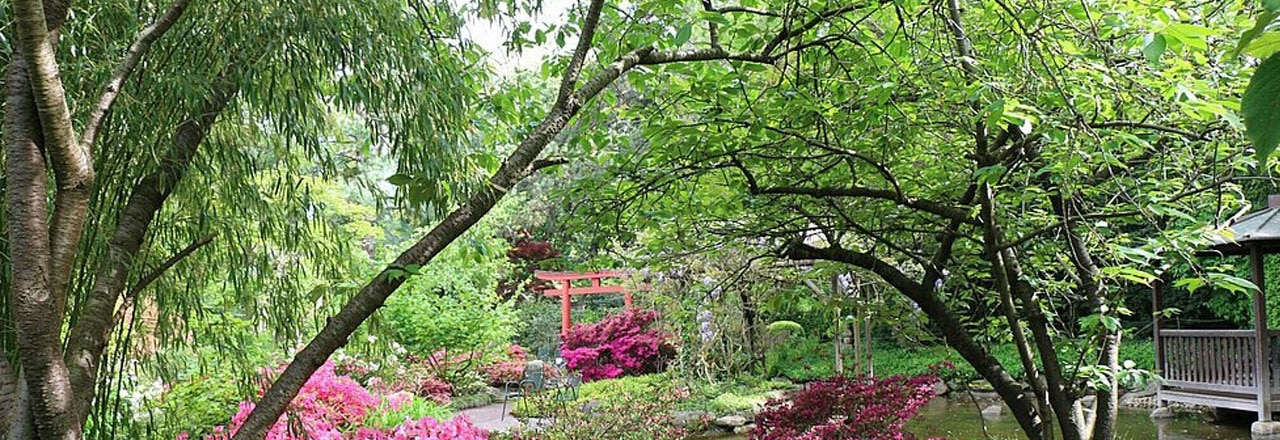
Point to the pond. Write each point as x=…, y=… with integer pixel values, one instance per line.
x=960, y=420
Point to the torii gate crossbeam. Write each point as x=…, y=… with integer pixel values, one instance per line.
x=563, y=287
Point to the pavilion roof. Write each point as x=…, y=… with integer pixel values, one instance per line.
x=1261, y=229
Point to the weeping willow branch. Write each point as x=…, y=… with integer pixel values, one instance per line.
x=127, y=65
x=132, y=293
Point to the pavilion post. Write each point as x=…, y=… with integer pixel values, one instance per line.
x=1262, y=364
x=565, y=309
x=1157, y=305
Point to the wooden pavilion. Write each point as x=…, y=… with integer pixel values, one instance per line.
x=1236, y=369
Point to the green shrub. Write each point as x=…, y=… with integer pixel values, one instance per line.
x=416, y=408
x=196, y=406
x=450, y=306
x=459, y=403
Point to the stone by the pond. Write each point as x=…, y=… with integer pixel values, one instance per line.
x=733, y=421
x=1265, y=431
x=981, y=386
x=744, y=429
x=1162, y=413
x=687, y=418
x=993, y=411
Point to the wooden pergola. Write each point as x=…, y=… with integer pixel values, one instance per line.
x=562, y=286
x=1234, y=369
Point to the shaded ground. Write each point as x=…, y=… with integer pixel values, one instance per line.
x=490, y=417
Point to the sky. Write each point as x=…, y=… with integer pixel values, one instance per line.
x=490, y=36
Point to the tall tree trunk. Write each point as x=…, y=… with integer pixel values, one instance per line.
x=36, y=315
x=1107, y=400
x=999, y=275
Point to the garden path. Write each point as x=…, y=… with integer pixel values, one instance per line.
x=490, y=417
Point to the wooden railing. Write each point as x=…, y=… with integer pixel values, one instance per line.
x=1211, y=360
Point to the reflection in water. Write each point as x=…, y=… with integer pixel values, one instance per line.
x=961, y=420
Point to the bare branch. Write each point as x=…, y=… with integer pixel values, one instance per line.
x=1157, y=127
x=948, y=212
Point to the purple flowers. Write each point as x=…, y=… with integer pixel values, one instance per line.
x=618, y=345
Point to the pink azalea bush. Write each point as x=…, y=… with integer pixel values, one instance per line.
x=842, y=408
x=334, y=407
x=620, y=344
x=508, y=367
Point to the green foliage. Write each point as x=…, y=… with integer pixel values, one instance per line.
x=1260, y=107
x=416, y=408
x=196, y=406
x=451, y=304
x=468, y=401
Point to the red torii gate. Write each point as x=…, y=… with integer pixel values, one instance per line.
x=562, y=283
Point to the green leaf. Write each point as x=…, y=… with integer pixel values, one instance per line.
x=1258, y=28
x=1260, y=108
x=1264, y=46
x=400, y=179
x=714, y=17
x=683, y=34
x=1155, y=48
x=1190, y=34
x=1271, y=5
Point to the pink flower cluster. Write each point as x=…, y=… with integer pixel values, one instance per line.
x=863, y=408
x=618, y=345
x=425, y=428
x=509, y=369
x=332, y=407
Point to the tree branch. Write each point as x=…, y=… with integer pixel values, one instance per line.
x=127, y=64
x=1157, y=127
x=948, y=212
x=150, y=277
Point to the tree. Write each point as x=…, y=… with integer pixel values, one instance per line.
x=1009, y=173
x=639, y=49
x=281, y=71
x=80, y=266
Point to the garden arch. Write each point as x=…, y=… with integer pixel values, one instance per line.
x=562, y=286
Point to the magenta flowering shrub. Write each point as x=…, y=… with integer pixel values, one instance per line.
x=843, y=408
x=620, y=344
x=333, y=407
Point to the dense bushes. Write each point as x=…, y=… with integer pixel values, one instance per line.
x=620, y=344
x=836, y=408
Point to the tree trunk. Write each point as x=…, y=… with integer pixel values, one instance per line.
x=1107, y=400
x=37, y=320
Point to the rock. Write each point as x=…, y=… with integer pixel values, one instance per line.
x=744, y=429
x=1265, y=431
x=733, y=421
x=1162, y=413
x=981, y=386
x=941, y=388
x=690, y=418
x=993, y=411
